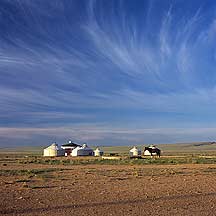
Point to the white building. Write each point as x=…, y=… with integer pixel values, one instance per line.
x=53, y=151
x=98, y=152
x=68, y=147
x=135, y=152
x=148, y=153
x=84, y=150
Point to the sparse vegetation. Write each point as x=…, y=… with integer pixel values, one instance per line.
x=191, y=153
x=182, y=171
x=27, y=172
x=210, y=170
x=38, y=186
x=122, y=161
x=22, y=180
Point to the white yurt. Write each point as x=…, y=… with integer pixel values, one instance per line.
x=53, y=151
x=135, y=152
x=148, y=153
x=98, y=152
x=84, y=150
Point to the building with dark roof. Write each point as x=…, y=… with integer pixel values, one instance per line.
x=68, y=147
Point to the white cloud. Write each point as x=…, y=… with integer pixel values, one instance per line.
x=101, y=135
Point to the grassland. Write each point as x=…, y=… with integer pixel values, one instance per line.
x=181, y=182
x=198, y=148
x=185, y=153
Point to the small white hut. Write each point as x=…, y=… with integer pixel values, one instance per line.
x=148, y=153
x=98, y=152
x=84, y=150
x=135, y=152
x=53, y=151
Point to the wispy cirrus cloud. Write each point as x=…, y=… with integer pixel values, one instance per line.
x=111, y=63
x=168, y=59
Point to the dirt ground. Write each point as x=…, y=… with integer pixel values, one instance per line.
x=187, y=189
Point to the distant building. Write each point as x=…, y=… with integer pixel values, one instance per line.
x=148, y=153
x=135, y=152
x=98, y=152
x=151, y=150
x=53, y=151
x=68, y=147
x=84, y=150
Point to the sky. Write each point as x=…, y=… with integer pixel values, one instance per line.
x=117, y=72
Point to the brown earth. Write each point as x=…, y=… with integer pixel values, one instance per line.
x=108, y=190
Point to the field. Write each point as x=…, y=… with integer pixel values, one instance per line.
x=181, y=182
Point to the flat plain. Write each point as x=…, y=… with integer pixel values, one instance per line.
x=181, y=182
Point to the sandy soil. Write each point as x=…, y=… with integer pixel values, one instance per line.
x=109, y=190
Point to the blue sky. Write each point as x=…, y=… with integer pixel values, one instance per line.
x=107, y=72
